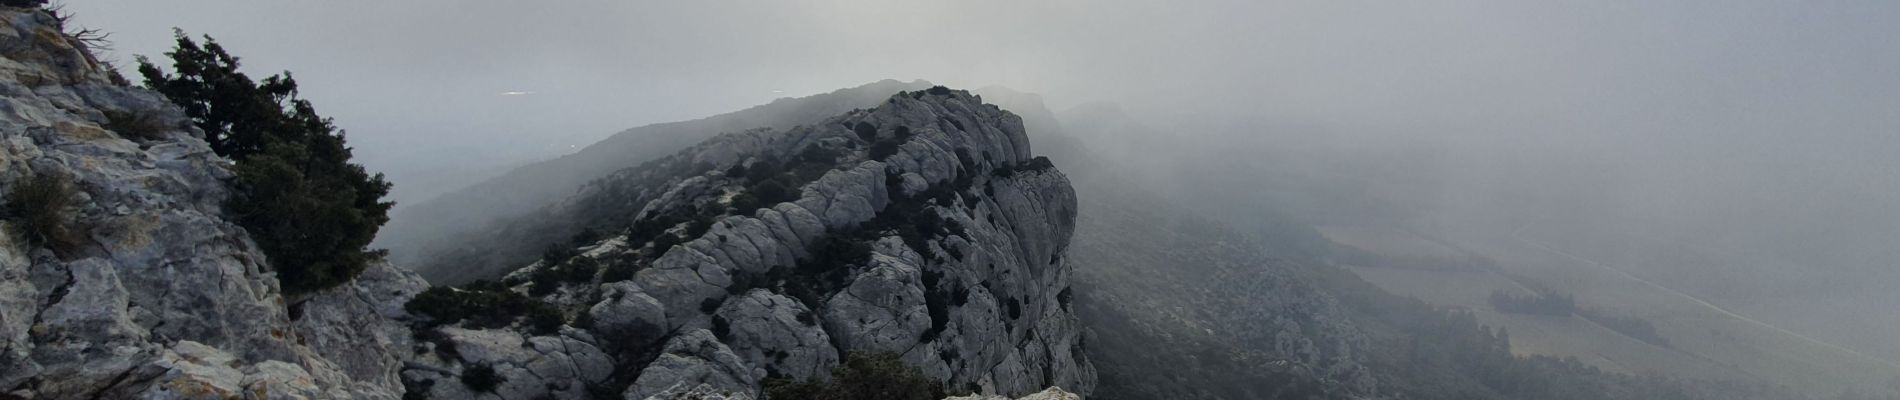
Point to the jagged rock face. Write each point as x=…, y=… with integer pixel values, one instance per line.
x=359, y=327
x=161, y=297
x=976, y=298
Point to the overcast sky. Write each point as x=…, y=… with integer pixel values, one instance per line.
x=420, y=83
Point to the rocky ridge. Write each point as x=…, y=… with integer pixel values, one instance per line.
x=428, y=236
x=926, y=229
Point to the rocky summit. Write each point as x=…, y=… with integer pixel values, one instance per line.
x=926, y=229
x=922, y=230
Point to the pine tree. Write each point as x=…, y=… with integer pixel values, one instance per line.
x=310, y=209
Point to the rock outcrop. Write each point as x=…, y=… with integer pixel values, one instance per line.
x=156, y=294
x=923, y=227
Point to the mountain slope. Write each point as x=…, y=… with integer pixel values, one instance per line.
x=431, y=235
x=922, y=227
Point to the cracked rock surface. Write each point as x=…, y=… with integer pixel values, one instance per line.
x=959, y=269
x=161, y=297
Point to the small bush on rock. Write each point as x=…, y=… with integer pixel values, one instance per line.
x=862, y=376
x=544, y=320
x=479, y=309
x=38, y=206
x=481, y=378
x=721, y=328
x=135, y=124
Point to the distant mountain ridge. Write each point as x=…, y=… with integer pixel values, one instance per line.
x=416, y=234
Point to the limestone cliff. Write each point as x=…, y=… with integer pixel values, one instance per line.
x=157, y=294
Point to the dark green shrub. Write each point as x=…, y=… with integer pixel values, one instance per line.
x=544, y=320
x=583, y=320
x=38, y=206
x=440, y=303
x=556, y=254
x=721, y=327
x=764, y=169
x=663, y=243
x=652, y=228
x=816, y=154
x=746, y=202
x=549, y=277
x=416, y=390
x=743, y=282
x=310, y=209
x=779, y=388
x=478, y=309
x=620, y=269
x=938, y=90
x=833, y=253
x=772, y=192
x=883, y=150
x=865, y=131
x=543, y=282
x=135, y=124
x=23, y=3
x=937, y=302
x=579, y=269
x=699, y=226
x=444, y=347
x=862, y=376
x=481, y=378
